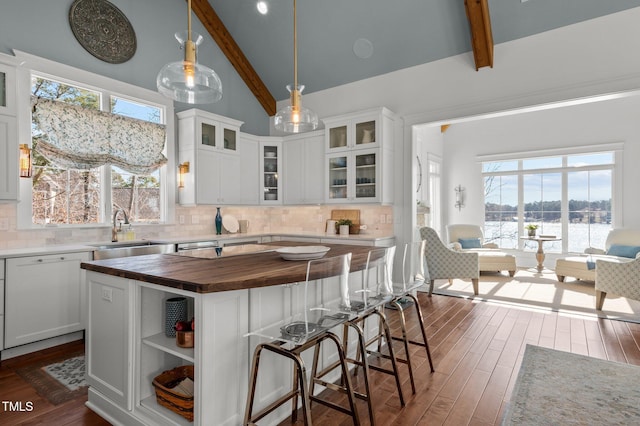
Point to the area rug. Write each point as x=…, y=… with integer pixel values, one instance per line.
x=561, y=388
x=59, y=380
x=542, y=290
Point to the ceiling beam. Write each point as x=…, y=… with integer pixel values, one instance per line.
x=213, y=24
x=481, y=37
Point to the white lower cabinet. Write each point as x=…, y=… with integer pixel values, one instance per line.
x=128, y=349
x=44, y=297
x=1, y=304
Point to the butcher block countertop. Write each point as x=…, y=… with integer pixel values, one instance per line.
x=201, y=275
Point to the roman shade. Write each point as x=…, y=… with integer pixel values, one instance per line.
x=74, y=137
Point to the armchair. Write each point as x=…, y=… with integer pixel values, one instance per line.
x=490, y=258
x=622, y=279
x=444, y=263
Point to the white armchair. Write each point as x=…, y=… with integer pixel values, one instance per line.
x=490, y=257
x=444, y=263
x=622, y=279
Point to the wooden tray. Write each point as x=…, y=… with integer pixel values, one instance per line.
x=354, y=215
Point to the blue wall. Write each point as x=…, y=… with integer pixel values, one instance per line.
x=41, y=27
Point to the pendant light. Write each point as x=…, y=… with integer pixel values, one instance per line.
x=187, y=81
x=295, y=118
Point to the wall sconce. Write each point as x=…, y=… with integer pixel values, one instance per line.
x=25, y=161
x=459, y=197
x=183, y=169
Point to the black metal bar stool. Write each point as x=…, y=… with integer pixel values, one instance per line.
x=308, y=327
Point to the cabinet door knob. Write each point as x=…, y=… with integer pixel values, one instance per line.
x=40, y=260
x=62, y=258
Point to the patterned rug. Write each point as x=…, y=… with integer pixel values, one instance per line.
x=542, y=290
x=58, y=381
x=560, y=388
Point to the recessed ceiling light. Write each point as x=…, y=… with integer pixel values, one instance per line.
x=262, y=7
x=363, y=48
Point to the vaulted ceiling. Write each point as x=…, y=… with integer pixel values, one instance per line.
x=335, y=36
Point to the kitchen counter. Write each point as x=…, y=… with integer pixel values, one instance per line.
x=368, y=239
x=201, y=275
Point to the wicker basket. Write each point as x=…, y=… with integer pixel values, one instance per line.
x=164, y=384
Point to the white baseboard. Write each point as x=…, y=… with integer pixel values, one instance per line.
x=40, y=345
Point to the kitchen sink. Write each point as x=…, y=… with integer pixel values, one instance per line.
x=132, y=248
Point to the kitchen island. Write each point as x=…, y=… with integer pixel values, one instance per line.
x=228, y=294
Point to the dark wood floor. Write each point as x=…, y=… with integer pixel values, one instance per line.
x=477, y=349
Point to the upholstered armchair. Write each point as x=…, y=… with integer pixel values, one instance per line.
x=622, y=279
x=444, y=263
x=465, y=232
x=466, y=237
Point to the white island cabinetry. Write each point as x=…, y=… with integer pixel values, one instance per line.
x=127, y=348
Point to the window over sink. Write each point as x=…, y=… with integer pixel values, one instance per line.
x=73, y=196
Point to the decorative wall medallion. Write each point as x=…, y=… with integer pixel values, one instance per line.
x=103, y=30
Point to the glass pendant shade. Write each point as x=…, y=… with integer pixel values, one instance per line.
x=188, y=81
x=295, y=118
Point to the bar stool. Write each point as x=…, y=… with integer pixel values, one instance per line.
x=413, y=276
x=306, y=326
x=365, y=301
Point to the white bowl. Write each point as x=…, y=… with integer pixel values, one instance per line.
x=302, y=252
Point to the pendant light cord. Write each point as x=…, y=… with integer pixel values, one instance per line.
x=295, y=48
x=189, y=20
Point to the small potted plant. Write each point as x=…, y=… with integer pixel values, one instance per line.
x=531, y=228
x=343, y=226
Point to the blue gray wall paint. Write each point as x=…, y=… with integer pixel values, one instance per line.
x=41, y=27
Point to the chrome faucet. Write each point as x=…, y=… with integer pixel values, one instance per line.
x=114, y=230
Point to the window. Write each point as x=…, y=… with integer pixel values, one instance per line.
x=63, y=195
x=569, y=196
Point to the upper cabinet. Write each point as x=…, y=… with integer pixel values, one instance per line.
x=8, y=135
x=359, y=157
x=210, y=144
x=362, y=130
x=303, y=169
x=271, y=170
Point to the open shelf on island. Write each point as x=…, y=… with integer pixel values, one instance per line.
x=151, y=404
x=168, y=344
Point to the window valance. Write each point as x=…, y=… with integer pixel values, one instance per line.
x=81, y=138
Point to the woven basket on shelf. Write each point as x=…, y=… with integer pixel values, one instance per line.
x=164, y=384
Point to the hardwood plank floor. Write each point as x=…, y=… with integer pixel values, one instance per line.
x=477, y=348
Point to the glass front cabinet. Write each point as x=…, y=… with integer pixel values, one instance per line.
x=8, y=135
x=210, y=145
x=359, y=157
x=270, y=171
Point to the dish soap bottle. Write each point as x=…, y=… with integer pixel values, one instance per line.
x=218, y=222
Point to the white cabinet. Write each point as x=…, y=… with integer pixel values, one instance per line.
x=303, y=171
x=109, y=346
x=44, y=297
x=359, y=157
x=271, y=170
x=210, y=144
x=127, y=349
x=1, y=304
x=8, y=135
x=249, y=149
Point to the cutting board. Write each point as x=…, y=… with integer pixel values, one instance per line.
x=354, y=215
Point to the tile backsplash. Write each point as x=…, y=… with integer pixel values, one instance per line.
x=197, y=221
